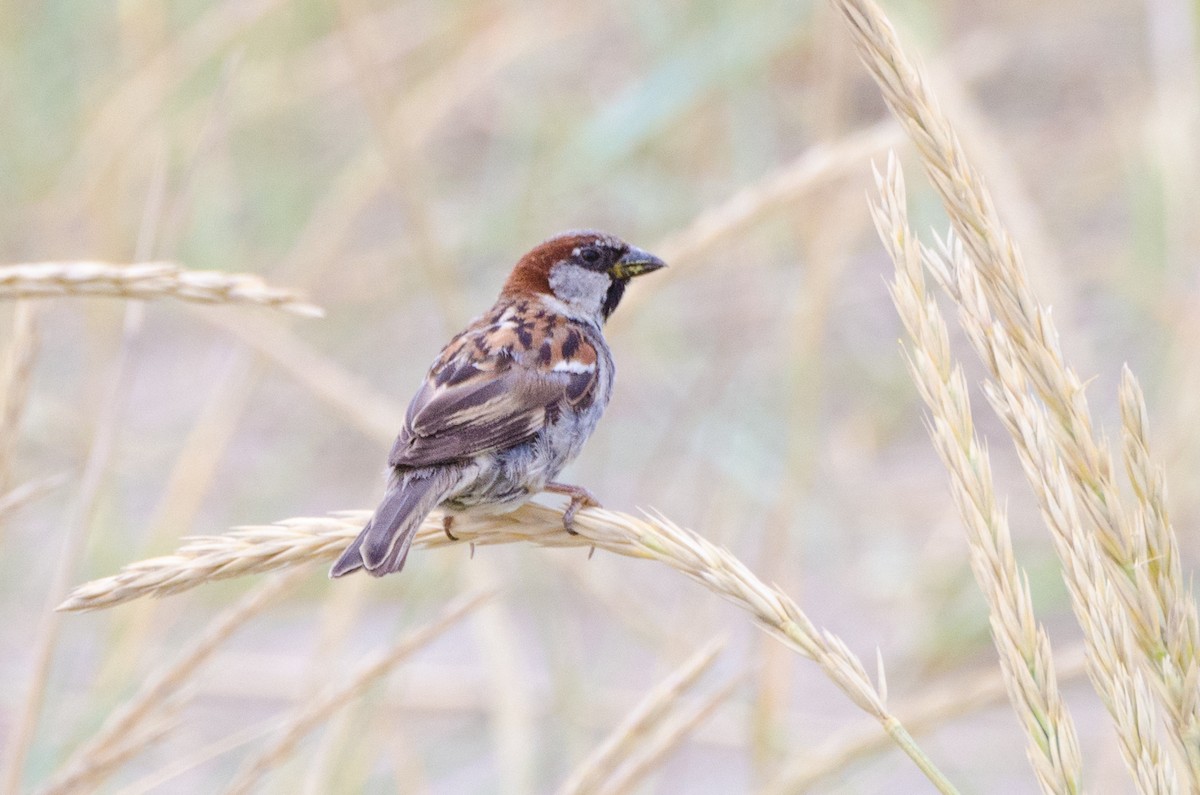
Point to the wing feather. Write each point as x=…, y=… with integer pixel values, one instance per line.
x=465, y=420
x=490, y=390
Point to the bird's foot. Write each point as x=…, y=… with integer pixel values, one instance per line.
x=447, y=523
x=580, y=498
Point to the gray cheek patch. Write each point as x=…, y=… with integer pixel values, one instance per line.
x=579, y=288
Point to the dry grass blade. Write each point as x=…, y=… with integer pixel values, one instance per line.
x=1022, y=642
x=1161, y=610
x=352, y=395
x=84, y=763
x=108, y=760
x=311, y=540
x=927, y=711
x=16, y=370
x=139, y=98
x=296, y=726
x=651, y=753
x=510, y=697
x=648, y=715
x=816, y=167
x=146, y=280
x=77, y=521
x=28, y=492
x=154, y=781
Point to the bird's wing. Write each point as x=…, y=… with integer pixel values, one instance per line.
x=494, y=386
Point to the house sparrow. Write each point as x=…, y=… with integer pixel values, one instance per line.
x=510, y=401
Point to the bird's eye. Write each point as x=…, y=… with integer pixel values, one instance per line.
x=590, y=254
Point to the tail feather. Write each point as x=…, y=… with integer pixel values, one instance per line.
x=350, y=560
x=382, y=546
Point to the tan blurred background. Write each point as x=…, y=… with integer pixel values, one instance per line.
x=392, y=160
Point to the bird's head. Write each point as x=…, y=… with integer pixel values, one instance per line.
x=584, y=270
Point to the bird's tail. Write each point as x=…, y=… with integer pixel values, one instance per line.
x=382, y=546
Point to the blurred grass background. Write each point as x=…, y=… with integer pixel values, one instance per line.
x=393, y=159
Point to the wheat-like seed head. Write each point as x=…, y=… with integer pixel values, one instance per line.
x=251, y=550
x=1022, y=643
x=1112, y=651
x=999, y=288
x=1159, y=580
x=146, y=280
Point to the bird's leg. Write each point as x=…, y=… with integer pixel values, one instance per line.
x=580, y=498
x=447, y=523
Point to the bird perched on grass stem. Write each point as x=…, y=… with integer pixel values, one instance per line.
x=510, y=401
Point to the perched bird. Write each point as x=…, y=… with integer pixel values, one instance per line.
x=510, y=401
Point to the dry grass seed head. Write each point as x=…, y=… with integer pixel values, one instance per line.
x=146, y=280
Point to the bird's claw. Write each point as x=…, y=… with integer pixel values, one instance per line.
x=578, y=500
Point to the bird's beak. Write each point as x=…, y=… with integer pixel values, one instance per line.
x=635, y=263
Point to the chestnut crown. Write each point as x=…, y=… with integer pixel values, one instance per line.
x=587, y=270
